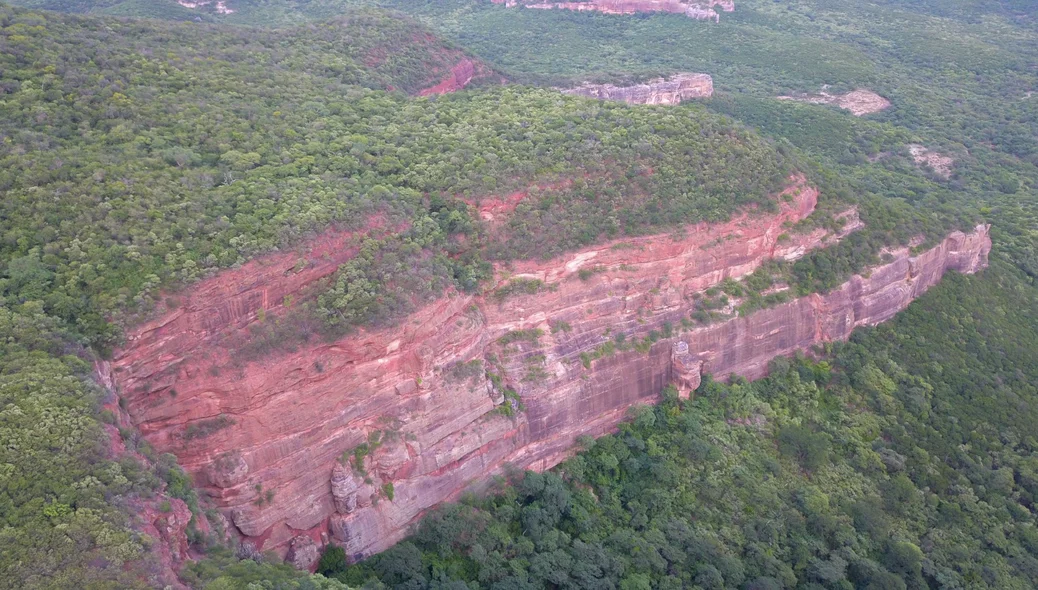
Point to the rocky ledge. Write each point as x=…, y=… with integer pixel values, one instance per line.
x=353, y=440
x=697, y=9
x=666, y=91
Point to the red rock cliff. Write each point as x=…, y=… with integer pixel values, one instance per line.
x=273, y=432
x=669, y=91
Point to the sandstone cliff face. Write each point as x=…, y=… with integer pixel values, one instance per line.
x=697, y=9
x=427, y=396
x=665, y=91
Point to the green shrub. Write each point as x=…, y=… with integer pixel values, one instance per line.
x=207, y=427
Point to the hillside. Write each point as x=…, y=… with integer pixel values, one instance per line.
x=268, y=289
x=139, y=157
x=958, y=76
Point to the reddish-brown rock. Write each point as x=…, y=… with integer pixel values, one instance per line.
x=303, y=552
x=666, y=91
x=161, y=517
x=279, y=464
x=460, y=75
x=166, y=522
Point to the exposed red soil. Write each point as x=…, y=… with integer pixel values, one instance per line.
x=494, y=209
x=460, y=75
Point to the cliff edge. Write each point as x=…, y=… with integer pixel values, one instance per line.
x=664, y=91
x=695, y=9
x=355, y=439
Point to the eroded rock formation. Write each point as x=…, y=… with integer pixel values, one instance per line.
x=697, y=9
x=666, y=91
x=358, y=437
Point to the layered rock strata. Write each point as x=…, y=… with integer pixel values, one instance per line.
x=697, y=9
x=664, y=91
x=358, y=437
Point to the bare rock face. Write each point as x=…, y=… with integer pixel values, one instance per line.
x=471, y=383
x=940, y=164
x=859, y=102
x=221, y=5
x=227, y=470
x=166, y=522
x=666, y=91
x=696, y=9
x=345, y=486
x=459, y=77
x=163, y=518
x=303, y=552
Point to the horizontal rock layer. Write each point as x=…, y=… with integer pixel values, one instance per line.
x=697, y=9
x=270, y=441
x=669, y=91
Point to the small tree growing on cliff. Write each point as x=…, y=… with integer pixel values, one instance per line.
x=332, y=561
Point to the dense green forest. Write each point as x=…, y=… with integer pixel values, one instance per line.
x=139, y=156
x=959, y=76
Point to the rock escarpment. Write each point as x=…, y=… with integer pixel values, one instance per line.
x=697, y=9
x=357, y=438
x=666, y=91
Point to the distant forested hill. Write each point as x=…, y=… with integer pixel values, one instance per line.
x=959, y=74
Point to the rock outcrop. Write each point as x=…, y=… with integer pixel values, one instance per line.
x=358, y=437
x=303, y=552
x=859, y=102
x=163, y=518
x=220, y=5
x=927, y=159
x=697, y=9
x=666, y=91
x=460, y=75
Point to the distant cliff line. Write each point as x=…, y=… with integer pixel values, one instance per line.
x=695, y=9
x=664, y=91
x=355, y=439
